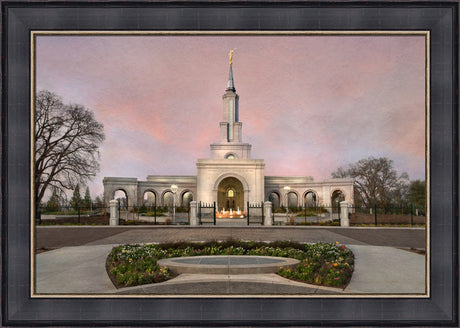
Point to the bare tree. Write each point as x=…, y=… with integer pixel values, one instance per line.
x=376, y=182
x=67, y=140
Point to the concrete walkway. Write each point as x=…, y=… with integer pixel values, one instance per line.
x=73, y=270
x=50, y=237
x=81, y=270
x=386, y=270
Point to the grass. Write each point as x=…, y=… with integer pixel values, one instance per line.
x=321, y=264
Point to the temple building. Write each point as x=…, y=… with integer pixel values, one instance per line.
x=230, y=177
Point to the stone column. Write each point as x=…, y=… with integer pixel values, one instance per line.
x=344, y=220
x=114, y=219
x=267, y=213
x=194, y=213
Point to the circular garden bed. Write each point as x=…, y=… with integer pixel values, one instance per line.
x=322, y=264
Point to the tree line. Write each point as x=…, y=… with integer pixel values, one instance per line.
x=58, y=201
x=377, y=183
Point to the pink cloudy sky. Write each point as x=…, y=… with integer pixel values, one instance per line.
x=308, y=104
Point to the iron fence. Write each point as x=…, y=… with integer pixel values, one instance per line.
x=100, y=215
x=388, y=215
x=255, y=213
x=207, y=213
x=92, y=214
x=331, y=215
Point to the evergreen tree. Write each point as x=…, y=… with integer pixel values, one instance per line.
x=76, y=201
x=99, y=202
x=53, y=203
x=87, y=199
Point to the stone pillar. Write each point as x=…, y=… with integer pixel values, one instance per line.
x=194, y=213
x=268, y=213
x=344, y=219
x=114, y=219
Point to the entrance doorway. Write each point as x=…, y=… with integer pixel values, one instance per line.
x=230, y=195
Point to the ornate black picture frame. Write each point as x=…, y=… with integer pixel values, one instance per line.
x=439, y=18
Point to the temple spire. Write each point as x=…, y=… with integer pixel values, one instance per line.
x=230, y=126
x=230, y=83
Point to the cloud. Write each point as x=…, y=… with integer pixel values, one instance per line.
x=308, y=104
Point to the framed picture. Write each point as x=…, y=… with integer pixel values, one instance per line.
x=131, y=62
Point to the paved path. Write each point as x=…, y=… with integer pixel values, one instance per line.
x=387, y=270
x=50, y=237
x=81, y=270
x=74, y=270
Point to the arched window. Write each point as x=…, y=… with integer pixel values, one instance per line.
x=230, y=156
x=230, y=193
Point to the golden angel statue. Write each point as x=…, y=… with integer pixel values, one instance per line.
x=230, y=56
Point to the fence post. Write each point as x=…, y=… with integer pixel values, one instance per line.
x=248, y=214
x=114, y=213
x=267, y=213
x=305, y=213
x=193, y=213
x=343, y=209
x=214, y=213
x=375, y=214
x=263, y=213
x=411, y=215
x=155, y=214
x=78, y=210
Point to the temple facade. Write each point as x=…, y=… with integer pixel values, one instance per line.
x=230, y=177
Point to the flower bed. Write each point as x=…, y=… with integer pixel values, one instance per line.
x=324, y=264
x=321, y=263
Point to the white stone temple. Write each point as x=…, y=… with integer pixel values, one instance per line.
x=231, y=177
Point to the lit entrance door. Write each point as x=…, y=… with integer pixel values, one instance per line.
x=231, y=198
x=230, y=195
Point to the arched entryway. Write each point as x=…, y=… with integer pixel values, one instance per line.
x=293, y=200
x=150, y=199
x=310, y=199
x=230, y=194
x=187, y=197
x=275, y=198
x=168, y=199
x=122, y=196
x=337, y=197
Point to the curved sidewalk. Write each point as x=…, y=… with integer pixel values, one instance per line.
x=81, y=270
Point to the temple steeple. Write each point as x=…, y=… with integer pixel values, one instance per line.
x=230, y=83
x=230, y=125
x=231, y=144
